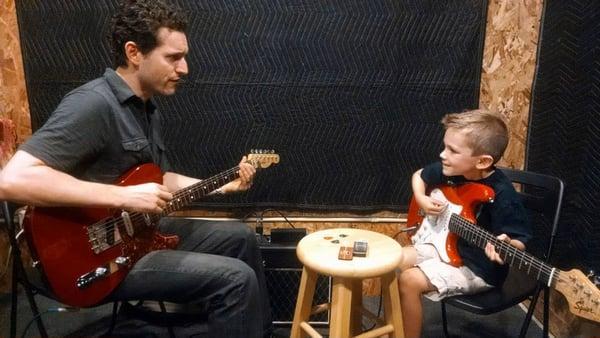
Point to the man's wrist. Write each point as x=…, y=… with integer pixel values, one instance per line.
x=217, y=192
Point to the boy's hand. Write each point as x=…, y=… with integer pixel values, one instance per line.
x=490, y=251
x=430, y=205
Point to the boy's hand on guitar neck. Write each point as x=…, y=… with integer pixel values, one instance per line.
x=492, y=254
x=147, y=197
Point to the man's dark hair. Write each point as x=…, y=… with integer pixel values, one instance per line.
x=139, y=21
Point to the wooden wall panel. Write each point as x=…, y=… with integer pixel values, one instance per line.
x=508, y=68
x=13, y=94
x=15, y=124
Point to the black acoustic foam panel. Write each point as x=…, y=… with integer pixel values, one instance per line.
x=348, y=92
x=564, y=137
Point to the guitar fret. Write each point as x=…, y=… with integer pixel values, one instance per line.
x=505, y=251
x=513, y=258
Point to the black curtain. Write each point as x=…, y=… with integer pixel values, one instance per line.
x=348, y=92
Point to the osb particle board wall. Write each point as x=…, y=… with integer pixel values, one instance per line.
x=14, y=109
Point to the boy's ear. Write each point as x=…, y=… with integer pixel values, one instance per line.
x=484, y=162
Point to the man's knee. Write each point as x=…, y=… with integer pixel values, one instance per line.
x=242, y=235
x=242, y=283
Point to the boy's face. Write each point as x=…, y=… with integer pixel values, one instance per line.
x=457, y=156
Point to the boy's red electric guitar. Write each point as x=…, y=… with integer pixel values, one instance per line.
x=458, y=219
x=86, y=252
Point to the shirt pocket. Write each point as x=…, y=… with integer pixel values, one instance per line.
x=137, y=151
x=135, y=144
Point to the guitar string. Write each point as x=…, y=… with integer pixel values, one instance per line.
x=482, y=234
x=110, y=224
x=539, y=265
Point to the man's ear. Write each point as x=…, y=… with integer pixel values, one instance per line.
x=484, y=162
x=132, y=53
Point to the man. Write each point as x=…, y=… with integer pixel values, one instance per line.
x=109, y=125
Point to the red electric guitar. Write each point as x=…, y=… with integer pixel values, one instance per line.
x=458, y=220
x=86, y=252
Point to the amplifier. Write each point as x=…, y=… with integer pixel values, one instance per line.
x=283, y=271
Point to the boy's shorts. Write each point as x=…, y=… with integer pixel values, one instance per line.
x=448, y=280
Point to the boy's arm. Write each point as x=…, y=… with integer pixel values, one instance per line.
x=430, y=206
x=490, y=251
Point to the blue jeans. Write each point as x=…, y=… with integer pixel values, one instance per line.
x=217, y=265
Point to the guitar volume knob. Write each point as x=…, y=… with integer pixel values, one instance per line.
x=101, y=271
x=122, y=260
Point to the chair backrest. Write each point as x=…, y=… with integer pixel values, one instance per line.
x=542, y=197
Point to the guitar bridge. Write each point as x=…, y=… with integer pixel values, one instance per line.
x=102, y=236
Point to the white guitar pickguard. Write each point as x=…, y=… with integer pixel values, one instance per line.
x=434, y=229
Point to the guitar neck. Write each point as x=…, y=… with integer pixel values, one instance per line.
x=509, y=254
x=194, y=192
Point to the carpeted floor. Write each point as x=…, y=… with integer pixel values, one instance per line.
x=96, y=321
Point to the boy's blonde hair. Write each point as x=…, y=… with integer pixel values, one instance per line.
x=486, y=131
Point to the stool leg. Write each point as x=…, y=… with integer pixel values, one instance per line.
x=391, y=303
x=306, y=292
x=356, y=319
x=341, y=301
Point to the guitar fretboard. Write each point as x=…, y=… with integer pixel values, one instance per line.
x=194, y=192
x=509, y=254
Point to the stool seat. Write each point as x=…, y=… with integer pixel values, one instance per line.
x=319, y=252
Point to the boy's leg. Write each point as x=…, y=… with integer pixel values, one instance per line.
x=423, y=273
x=413, y=284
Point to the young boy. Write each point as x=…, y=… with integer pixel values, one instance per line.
x=474, y=141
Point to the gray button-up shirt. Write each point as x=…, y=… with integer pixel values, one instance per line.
x=99, y=131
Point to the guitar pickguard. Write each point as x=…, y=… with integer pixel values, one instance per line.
x=434, y=229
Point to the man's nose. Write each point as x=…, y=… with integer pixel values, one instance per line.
x=182, y=67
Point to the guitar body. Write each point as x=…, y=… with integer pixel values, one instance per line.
x=62, y=239
x=462, y=200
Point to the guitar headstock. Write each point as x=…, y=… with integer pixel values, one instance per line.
x=581, y=294
x=261, y=158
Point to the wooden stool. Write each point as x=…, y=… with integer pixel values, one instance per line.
x=319, y=254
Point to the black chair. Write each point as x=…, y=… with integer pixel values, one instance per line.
x=542, y=196
x=21, y=276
